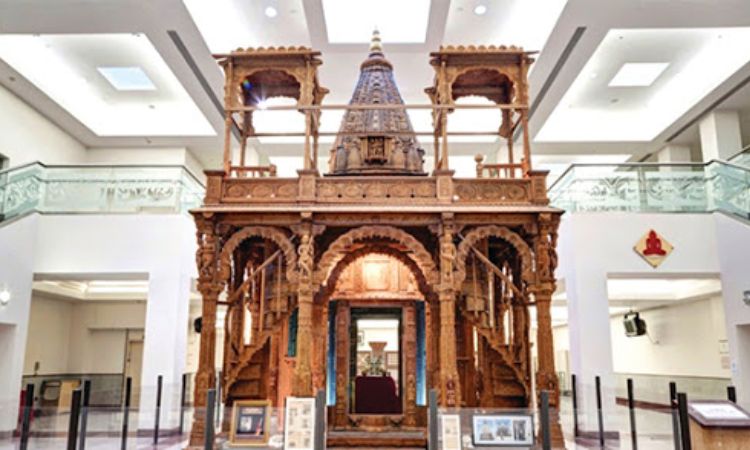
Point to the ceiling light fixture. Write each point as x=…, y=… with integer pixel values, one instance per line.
x=480, y=9
x=127, y=78
x=271, y=12
x=4, y=297
x=638, y=74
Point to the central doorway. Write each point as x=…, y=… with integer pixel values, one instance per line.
x=376, y=352
x=375, y=361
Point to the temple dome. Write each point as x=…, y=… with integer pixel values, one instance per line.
x=376, y=142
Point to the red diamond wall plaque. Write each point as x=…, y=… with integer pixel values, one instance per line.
x=653, y=248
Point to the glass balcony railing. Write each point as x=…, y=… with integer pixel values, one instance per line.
x=644, y=187
x=97, y=189
x=742, y=158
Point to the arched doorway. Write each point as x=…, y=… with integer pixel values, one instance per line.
x=378, y=307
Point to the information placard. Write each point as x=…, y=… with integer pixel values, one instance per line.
x=299, y=424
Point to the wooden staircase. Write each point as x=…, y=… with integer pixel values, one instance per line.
x=505, y=380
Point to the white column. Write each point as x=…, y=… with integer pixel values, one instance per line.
x=720, y=135
x=17, y=242
x=733, y=246
x=588, y=323
x=673, y=154
x=165, y=345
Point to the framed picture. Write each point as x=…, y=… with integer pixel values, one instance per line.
x=450, y=431
x=299, y=424
x=498, y=430
x=250, y=420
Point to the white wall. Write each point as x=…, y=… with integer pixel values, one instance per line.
x=684, y=341
x=687, y=334
x=733, y=244
x=595, y=246
x=27, y=136
x=17, y=245
x=158, y=247
x=82, y=337
x=48, y=340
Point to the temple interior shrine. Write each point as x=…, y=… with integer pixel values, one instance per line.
x=358, y=224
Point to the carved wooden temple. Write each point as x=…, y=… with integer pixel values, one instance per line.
x=457, y=262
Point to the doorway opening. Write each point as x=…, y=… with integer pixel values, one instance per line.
x=376, y=370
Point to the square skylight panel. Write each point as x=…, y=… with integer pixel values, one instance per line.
x=77, y=71
x=399, y=21
x=127, y=78
x=638, y=74
x=592, y=110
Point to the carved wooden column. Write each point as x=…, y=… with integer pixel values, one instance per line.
x=342, y=364
x=546, y=261
x=303, y=369
x=210, y=287
x=409, y=357
x=450, y=391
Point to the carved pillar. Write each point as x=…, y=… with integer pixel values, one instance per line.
x=342, y=364
x=542, y=289
x=303, y=369
x=409, y=357
x=450, y=391
x=210, y=287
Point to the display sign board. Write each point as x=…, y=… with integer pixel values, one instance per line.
x=450, y=431
x=250, y=423
x=299, y=424
x=503, y=430
x=718, y=413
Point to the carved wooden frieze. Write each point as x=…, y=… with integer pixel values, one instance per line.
x=504, y=191
x=251, y=190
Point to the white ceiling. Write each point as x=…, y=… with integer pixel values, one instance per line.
x=204, y=27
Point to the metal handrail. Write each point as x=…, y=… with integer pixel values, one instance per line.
x=104, y=166
x=634, y=165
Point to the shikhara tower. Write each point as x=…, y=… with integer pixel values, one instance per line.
x=376, y=141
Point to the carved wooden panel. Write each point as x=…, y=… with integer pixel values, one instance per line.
x=260, y=190
x=376, y=189
x=377, y=276
x=492, y=191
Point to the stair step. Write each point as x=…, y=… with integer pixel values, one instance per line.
x=377, y=439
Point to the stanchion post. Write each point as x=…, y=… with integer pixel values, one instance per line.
x=682, y=406
x=320, y=420
x=159, y=380
x=183, y=388
x=75, y=412
x=675, y=418
x=574, y=392
x=432, y=442
x=84, y=414
x=599, y=413
x=208, y=443
x=631, y=409
x=732, y=394
x=28, y=406
x=126, y=414
x=544, y=422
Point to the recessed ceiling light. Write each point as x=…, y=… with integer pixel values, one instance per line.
x=271, y=12
x=638, y=74
x=127, y=78
x=351, y=22
x=480, y=9
x=71, y=70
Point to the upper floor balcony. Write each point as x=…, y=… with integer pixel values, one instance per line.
x=375, y=158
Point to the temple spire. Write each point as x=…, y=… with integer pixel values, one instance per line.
x=376, y=45
x=376, y=141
